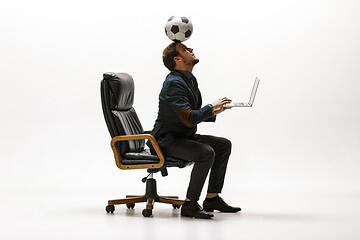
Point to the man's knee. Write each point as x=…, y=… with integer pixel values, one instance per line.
x=225, y=144
x=205, y=154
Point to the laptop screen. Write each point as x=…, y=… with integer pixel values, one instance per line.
x=253, y=93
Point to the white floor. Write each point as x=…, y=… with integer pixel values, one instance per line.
x=79, y=214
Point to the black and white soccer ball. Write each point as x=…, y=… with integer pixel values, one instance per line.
x=178, y=29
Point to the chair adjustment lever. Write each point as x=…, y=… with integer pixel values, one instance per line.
x=145, y=178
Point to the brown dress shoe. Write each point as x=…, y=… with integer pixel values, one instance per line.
x=194, y=210
x=220, y=205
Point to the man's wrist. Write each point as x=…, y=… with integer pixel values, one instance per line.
x=212, y=107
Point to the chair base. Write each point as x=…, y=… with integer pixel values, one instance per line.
x=150, y=198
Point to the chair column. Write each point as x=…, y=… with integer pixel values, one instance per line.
x=151, y=191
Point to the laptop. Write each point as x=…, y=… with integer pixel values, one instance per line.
x=252, y=97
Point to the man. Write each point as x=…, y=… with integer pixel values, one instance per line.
x=175, y=130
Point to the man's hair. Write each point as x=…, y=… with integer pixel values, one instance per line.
x=168, y=55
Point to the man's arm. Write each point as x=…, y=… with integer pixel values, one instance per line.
x=176, y=97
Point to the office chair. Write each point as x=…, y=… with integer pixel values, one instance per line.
x=128, y=142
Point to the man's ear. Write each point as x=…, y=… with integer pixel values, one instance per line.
x=177, y=59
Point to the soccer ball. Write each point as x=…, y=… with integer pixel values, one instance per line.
x=178, y=29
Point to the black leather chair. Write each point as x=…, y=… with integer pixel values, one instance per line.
x=128, y=142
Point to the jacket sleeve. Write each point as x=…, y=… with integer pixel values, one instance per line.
x=211, y=119
x=176, y=96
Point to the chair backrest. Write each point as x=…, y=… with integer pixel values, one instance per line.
x=117, y=98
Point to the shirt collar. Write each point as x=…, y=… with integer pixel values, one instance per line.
x=186, y=74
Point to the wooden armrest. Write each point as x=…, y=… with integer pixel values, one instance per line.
x=137, y=137
x=147, y=132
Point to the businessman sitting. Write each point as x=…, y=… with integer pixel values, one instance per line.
x=175, y=130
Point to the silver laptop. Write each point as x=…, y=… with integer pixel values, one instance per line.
x=252, y=97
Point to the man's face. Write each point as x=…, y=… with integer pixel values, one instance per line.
x=187, y=55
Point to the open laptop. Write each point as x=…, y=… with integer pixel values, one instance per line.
x=252, y=97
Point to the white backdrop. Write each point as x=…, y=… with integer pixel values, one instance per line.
x=302, y=134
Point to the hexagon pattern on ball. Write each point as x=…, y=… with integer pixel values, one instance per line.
x=178, y=29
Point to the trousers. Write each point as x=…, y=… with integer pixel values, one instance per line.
x=208, y=153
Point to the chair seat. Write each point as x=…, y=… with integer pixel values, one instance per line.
x=145, y=157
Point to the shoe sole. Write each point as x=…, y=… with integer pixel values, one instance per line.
x=205, y=217
x=212, y=210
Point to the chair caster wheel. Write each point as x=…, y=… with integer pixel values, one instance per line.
x=130, y=205
x=110, y=208
x=176, y=206
x=147, y=212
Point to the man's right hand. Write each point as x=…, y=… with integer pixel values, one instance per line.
x=219, y=103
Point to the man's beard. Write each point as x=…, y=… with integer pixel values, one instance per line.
x=191, y=63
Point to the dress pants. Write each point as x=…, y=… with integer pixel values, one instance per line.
x=207, y=153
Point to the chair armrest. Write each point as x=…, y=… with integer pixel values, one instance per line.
x=137, y=137
x=147, y=132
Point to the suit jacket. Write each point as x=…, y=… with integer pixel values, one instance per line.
x=179, y=109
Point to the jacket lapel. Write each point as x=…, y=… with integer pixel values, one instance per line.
x=192, y=84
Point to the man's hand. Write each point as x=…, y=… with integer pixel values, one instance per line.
x=219, y=103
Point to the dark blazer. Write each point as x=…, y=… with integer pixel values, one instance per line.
x=179, y=109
